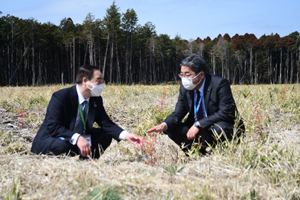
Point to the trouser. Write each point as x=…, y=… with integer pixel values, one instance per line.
x=100, y=142
x=210, y=136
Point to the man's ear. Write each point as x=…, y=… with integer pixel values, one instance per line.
x=84, y=80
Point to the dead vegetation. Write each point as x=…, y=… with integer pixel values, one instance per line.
x=265, y=165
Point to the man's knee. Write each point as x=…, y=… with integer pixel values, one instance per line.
x=222, y=130
x=58, y=147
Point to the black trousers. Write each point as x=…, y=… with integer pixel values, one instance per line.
x=216, y=133
x=100, y=142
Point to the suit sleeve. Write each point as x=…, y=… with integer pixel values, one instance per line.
x=56, y=115
x=226, y=106
x=179, y=113
x=106, y=124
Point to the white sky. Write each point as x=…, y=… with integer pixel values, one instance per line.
x=188, y=18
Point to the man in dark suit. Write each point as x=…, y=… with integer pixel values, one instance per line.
x=71, y=113
x=208, y=101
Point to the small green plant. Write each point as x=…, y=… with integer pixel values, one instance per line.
x=7, y=106
x=104, y=193
x=148, y=149
x=14, y=194
x=173, y=169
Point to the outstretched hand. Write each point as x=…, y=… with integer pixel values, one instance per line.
x=159, y=128
x=134, y=139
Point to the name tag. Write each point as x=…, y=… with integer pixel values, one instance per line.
x=88, y=138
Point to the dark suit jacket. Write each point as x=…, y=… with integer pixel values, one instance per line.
x=61, y=117
x=219, y=104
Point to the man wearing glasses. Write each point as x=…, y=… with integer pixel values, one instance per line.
x=208, y=101
x=71, y=113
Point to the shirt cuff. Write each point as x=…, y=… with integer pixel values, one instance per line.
x=122, y=135
x=74, y=138
x=166, y=125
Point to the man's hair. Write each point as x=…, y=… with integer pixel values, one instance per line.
x=195, y=62
x=85, y=71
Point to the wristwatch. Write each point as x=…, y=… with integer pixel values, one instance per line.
x=197, y=124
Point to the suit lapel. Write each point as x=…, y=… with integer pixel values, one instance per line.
x=207, y=91
x=74, y=106
x=190, y=98
x=91, y=115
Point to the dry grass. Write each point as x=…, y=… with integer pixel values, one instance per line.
x=265, y=165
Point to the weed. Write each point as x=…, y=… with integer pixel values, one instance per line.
x=104, y=193
x=173, y=169
x=148, y=149
x=14, y=194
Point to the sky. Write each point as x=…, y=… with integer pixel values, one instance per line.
x=188, y=19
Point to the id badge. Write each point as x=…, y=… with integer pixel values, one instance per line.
x=88, y=138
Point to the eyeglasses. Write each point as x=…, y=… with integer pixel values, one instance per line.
x=186, y=75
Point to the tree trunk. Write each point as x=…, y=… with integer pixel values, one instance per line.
x=127, y=60
x=280, y=67
x=25, y=66
x=275, y=73
x=214, y=63
x=271, y=69
x=99, y=44
x=33, y=66
x=268, y=66
x=118, y=64
x=154, y=70
x=287, y=67
x=40, y=67
x=91, y=52
x=111, y=60
x=141, y=78
x=145, y=72
x=79, y=56
x=12, y=55
x=130, y=62
x=62, y=78
x=163, y=64
x=1, y=67
x=222, y=61
x=292, y=68
x=85, y=53
x=74, y=70
x=298, y=66
x=251, y=64
x=245, y=70
x=255, y=69
x=150, y=65
x=227, y=65
x=105, y=56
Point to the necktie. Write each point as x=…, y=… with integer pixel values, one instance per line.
x=83, y=109
x=200, y=113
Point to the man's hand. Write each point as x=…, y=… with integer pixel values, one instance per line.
x=134, y=139
x=191, y=134
x=84, y=146
x=159, y=128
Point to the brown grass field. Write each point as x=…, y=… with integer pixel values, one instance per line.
x=265, y=165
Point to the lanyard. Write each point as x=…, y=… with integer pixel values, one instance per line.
x=196, y=107
x=82, y=118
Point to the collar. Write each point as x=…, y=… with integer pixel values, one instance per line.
x=81, y=99
x=201, y=89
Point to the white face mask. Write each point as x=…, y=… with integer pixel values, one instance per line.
x=188, y=82
x=96, y=90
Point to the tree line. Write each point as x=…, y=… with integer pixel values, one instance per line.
x=34, y=53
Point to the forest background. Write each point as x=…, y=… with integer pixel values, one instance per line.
x=126, y=52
